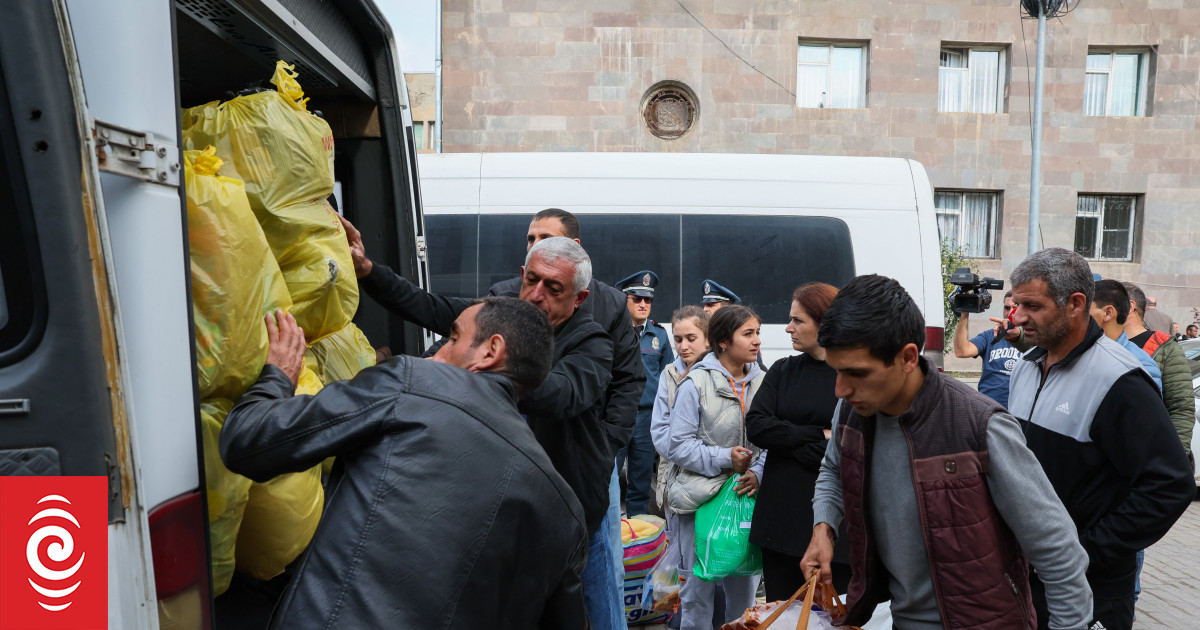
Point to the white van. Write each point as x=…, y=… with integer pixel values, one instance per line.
x=97, y=373
x=759, y=225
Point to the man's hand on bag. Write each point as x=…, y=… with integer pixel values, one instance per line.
x=747, y=484
x=362, y=264
x=286, y=344
x=740, y=458
x=819, y=553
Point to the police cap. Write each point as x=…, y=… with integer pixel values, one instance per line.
x=641, y=283
x=713, y=292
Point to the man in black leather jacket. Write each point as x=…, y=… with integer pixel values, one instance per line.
x=414, y=536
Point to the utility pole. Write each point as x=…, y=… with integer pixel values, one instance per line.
x=1035, y=175
x=1041, y=9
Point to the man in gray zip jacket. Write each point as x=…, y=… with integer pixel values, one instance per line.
x=1098, y=426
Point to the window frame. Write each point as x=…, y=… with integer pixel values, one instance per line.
x=1002, y=76
x=994, y=217
x=864, y=66
x=1098, y=240
x=1143, y=80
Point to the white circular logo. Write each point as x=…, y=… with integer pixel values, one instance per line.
x=55, y=582
x=1010, y=364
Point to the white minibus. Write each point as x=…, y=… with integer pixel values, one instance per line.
x=759, y=225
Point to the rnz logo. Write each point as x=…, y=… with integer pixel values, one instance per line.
x=54, y=550
x=56, y=585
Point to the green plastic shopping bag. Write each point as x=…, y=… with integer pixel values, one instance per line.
x=723, y=545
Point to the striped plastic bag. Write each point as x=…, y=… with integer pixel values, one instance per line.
x=644, y=539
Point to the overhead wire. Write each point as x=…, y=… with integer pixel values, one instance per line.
x=731, y=50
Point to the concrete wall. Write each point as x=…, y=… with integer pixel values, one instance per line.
x=569, y=75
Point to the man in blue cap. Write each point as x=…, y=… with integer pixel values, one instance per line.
x=656, y=356
x=715, y=296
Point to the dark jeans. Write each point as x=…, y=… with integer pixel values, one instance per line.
x=782, y=575
x=1112, y=602
x=640, y=452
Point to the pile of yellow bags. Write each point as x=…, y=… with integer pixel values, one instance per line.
x=262, y=236
x=284, y=154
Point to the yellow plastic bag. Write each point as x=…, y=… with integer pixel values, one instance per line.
x=314, y=256
x=227, y=494
x=268, y=140
x=282, y=514
x=342, y=355
x=235, y=279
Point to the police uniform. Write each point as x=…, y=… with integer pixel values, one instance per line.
x=656, y=356
x=713, y=292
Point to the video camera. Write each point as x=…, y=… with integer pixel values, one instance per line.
x=971, y=293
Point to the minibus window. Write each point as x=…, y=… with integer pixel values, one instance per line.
x=764, y=258
x=501, y=248
x=17, y=298
x=622, y=244
x=453, y=245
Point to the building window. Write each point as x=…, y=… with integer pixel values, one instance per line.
x=1115, y=84
x=971, y=80
x=1104, y=226
x=831, y=75
x=419, y=135
x=968, y=220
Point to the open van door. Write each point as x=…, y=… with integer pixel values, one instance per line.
x=63, y=401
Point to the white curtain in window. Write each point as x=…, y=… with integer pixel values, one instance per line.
x=847, y=78
x=1095, y=90
x=947, y=205
x=812, y=82
x=1087, y=220
x=985, y=72
x=952, y=77
x=1124, y=85
x=978, y=220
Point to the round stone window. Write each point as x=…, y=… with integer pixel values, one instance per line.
x=669, y=109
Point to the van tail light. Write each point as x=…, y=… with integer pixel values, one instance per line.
x=179, y=543
x=935, y=343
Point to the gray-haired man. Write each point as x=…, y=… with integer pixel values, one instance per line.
x=1095, y=421
x=565, y=411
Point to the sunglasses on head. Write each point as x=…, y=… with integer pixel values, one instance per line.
x=637, y=299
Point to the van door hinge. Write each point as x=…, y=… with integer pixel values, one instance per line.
x=421, y=248
x=135, y=154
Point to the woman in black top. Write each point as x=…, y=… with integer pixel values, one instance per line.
x=791, y=417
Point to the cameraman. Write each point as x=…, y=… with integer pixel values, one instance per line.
x=999, y=357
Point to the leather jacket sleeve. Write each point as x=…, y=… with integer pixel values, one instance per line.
x=565, y=607
x=271, y=431
x=412, y=303
x=577, y=381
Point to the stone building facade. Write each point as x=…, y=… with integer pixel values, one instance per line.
x=424, y=112
x=1121, y=140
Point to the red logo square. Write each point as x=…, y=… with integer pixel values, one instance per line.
x=53, y=553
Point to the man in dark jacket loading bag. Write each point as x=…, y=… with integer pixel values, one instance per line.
x=408, y=541
x=1095, y=420
x=564, y=412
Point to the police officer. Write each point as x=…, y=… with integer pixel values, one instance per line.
x=656, y=356
x=715, y=296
